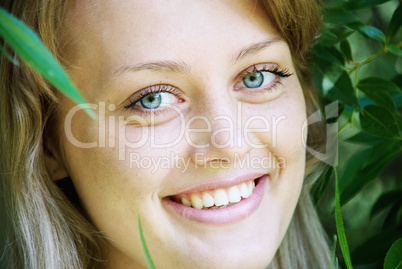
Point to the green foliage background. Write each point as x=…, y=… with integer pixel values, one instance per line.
x=357, y=62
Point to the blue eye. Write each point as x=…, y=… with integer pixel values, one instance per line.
x=156, y=100
x=155, y=97
x=257, y=79
x=151, y=100
x=263, y=76
x=253, y=80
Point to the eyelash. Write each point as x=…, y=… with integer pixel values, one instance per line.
x=276, y=70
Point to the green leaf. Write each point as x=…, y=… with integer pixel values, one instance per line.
x=398, y=81
x=393, y=260
x=364, y=138
x=379, y=121
x=339, y=226
x=346, y=50
x=396, y=22
x=340, y=16
x=378, y=84
x=392, y=221
x=30, y=49
x=329, y=54
x=327, y=39
x=353, y=166
x=344, y=91
x=359, y=173
x=372, y=32
x=374, y=249
x=332, y=35
x=361, y=4
x=328, y=70
x=383, y=99
x=385, y=200
x=148, y=258
x=394, y=50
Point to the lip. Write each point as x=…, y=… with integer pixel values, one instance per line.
x=221, y=216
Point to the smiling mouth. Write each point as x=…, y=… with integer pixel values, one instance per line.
x=216, y=198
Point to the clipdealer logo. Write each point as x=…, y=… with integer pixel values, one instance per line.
x=114, y=127
x=181, y=163
x=238, y=130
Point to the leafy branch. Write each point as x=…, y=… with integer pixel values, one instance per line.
x=370, y=106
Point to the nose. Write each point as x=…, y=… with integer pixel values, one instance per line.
x=215, y=132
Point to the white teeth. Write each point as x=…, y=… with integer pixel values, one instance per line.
x=244, y=191
x=251, y=186
x=185, y=202
x=196, y=201
x=220, y=198
x=207, y=200
x=234, y=194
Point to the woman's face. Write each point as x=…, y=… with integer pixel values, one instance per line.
x=197, y=101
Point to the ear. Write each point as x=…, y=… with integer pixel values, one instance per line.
x=55, y=166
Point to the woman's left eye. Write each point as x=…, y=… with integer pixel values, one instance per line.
x=258, y=79
x=264, y=77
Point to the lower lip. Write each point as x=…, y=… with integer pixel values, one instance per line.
x=220, y=216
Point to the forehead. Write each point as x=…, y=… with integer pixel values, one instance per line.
x=163, y=26
x=104, y=36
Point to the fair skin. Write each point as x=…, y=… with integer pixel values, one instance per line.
x=215, y=44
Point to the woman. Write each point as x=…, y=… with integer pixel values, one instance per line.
x=201, y=109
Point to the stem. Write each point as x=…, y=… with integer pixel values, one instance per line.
x=351, y=117
x=366, y=61
x=343, y=127
x=357, y=80
x=349, y=122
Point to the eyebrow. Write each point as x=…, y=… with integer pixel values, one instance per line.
x=181, y=67
x=255, y=48
x=170, y=66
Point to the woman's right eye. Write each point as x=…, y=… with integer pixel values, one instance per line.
x=155, y=98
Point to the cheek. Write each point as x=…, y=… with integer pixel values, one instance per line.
x=114, y=190
x=288, y=133
x=118, y=161
x=285, y=117
x=109, y=190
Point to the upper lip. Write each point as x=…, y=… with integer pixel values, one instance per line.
x=222, y=182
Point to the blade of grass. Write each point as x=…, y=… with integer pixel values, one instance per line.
x=339, y=225
x=31, y=50
x=333, y=257
x=148, y=258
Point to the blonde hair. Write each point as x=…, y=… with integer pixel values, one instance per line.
x=41, y=228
